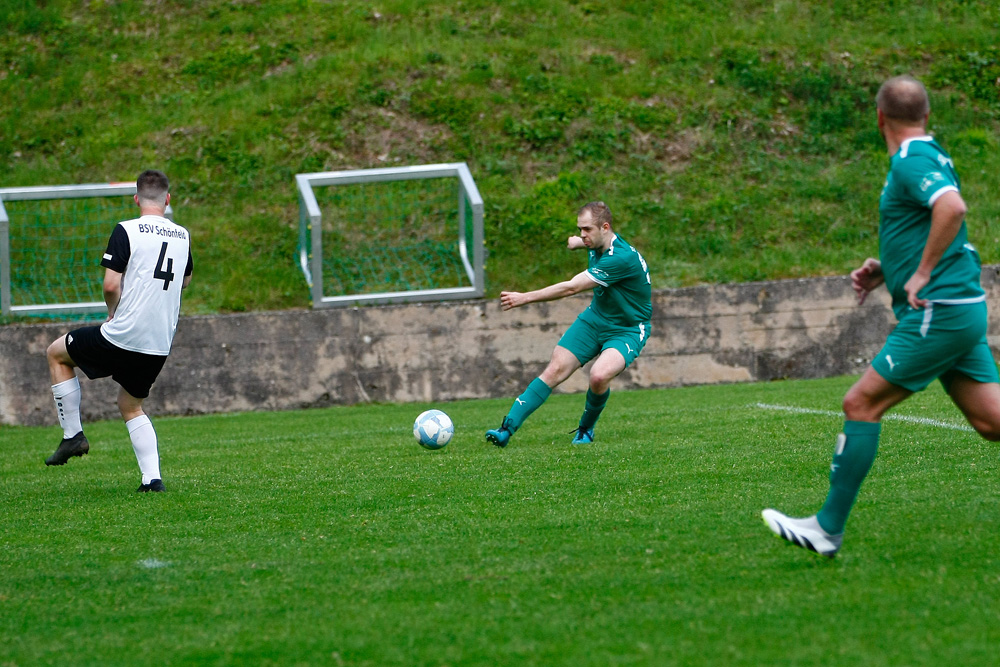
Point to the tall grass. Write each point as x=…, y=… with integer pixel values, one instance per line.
x=733, y=141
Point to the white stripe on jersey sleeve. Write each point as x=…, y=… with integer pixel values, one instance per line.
x=934, y=197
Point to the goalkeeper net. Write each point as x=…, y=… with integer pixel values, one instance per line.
x=390, y=235
x=51, y=243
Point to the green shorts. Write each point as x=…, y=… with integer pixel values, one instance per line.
x=935, y=343
x=586, y=340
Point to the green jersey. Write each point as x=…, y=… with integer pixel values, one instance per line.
x=623, y=295
x=919, y=173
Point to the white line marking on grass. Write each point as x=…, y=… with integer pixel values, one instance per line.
x=924, y=421
x=153, y=564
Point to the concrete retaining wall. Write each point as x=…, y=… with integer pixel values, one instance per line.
x=471, y=349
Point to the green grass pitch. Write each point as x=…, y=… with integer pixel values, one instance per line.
x=329, y=537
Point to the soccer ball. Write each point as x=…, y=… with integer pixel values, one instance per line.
x=433, y=429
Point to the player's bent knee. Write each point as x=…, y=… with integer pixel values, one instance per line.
x=554, y=375
x=54, y=351
x=988, y=430
x=129, y=406
x=855, y=407
x=861, y=406
x=599, y=382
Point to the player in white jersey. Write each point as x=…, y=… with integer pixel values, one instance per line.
x=143, y=280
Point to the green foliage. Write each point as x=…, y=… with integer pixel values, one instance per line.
x=28, y=18
x=330, y=537
x=439, y=106
x=236, y=61
x=731, y=142
x=975, y=73
x=544, y=217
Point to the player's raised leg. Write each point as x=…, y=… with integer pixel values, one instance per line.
x=562, y=364
x=607, y=367
x=66, y=393
x=854, y=453
x=979, y=402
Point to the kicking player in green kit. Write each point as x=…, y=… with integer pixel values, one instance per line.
x=613, y=329
x=932, y=273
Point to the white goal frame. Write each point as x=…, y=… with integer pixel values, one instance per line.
x=311, y=232
x=46, y=192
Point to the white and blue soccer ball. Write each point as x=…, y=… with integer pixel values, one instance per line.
x=433, y=429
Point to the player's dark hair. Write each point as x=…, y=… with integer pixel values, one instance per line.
x=152, y=185
x=904, y=99
x=599, y=212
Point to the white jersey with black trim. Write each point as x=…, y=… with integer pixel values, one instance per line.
x=153, y=255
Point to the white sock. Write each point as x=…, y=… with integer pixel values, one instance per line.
x=140, y=430
x=67, y=397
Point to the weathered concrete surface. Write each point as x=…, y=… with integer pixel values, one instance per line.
x=430, y=352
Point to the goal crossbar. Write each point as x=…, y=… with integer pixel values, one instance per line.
x=40, y=193
x=311, y=232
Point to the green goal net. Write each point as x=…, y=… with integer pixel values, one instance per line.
x=51, y=243
x=388, y=235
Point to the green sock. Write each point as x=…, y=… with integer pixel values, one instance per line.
x=592, y=409
x=852, y=459
x=536, y=394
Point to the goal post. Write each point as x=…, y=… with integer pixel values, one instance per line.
x=391, y=235
x=52, y=238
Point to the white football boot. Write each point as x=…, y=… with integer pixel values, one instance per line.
x=805, y=533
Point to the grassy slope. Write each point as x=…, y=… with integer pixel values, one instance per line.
x=732, y=145
x=330, y=537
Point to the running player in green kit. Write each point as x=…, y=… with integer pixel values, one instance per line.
x=932, y=273
x=613, y=329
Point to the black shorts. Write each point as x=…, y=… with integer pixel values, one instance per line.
x=98, y=358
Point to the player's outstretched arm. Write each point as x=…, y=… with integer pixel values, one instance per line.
x=578, y=283
x=866, y=278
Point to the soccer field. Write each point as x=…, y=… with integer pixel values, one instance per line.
x=329, y=537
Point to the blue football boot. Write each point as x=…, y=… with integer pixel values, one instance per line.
x=500, y=436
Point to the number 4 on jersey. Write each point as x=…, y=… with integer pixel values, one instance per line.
x=166, y=274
